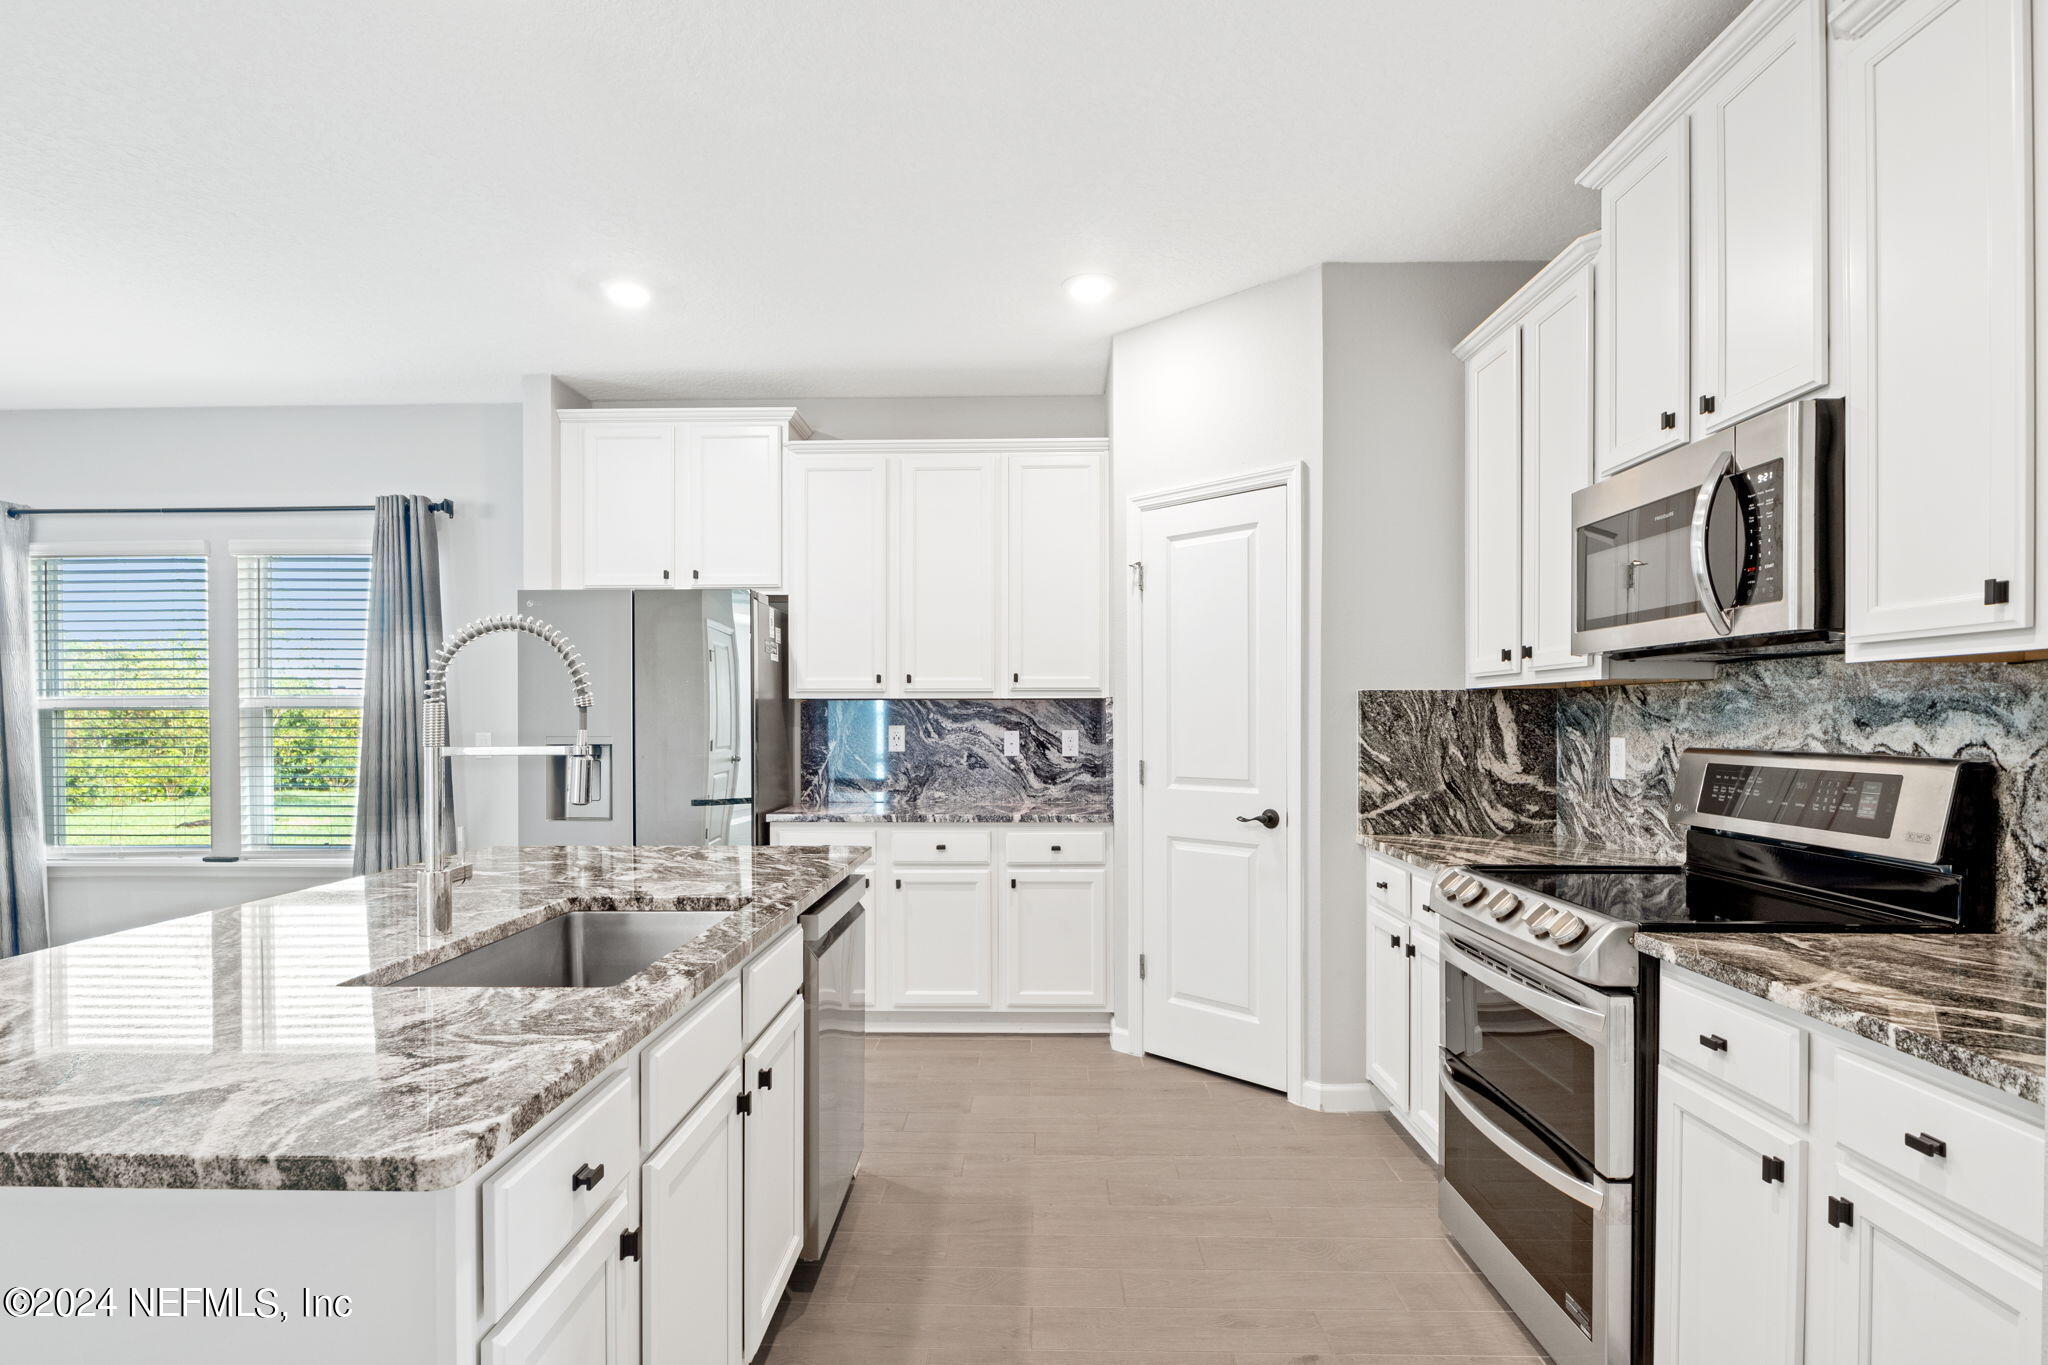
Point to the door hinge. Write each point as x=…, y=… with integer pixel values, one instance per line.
x=1774, y=1170
x=1141, y=772
x=629, y=1245
x=1138, y=574
x=746, y=1102
x=1841, y=1213
x=1141, y=966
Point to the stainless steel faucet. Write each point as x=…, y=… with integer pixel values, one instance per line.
x=438, y=878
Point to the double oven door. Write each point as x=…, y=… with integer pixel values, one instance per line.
x=1538, y=1143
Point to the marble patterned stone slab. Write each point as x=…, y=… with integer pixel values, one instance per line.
x=1479, y=762
x=952, y=758
x=1968, y=1003
x=1066, y=808
x=231, y=1050
x=1434, y=853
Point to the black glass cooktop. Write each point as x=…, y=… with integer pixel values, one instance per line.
x=1672, y=899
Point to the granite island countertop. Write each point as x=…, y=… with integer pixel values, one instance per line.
x=234, y=1049
x=1968, y=1003
x=1435, y=852
x=994, y=809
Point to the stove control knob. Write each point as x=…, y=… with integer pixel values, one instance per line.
x=1568, y=929
x=1448, y=884
x=1503, y=904
x=1540, y=918
x=1469, y=891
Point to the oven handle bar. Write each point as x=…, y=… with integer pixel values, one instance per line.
x=1584, y=1022
x=1719, y=617
x=1521, y=1155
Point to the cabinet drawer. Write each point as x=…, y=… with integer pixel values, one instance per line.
x=545, y=1195
x=680, y=1066
x=826, y=833
x=1388, y=883
x=1055, y=846
x=939, y=846
x=774, y=975
x=1743, y=1049
x=1971, y=1156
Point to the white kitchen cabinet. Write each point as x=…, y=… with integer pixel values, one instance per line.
x=1058, y=513
x=1425, y=1034
x=1055, y=921
x=1646, y=306
x=774, y=1180
x=1556, y=462
x=667, y=497
x=1493, y=522
x=942, y=938
x=1731, y=1229
x=1938, y=185
x=586, y=1311
x=692, y=1200
x=839, y=530
x=1387, y=1009
x=949, y=547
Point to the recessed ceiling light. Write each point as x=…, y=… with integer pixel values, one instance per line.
x=628, y=293
x=1090, y=288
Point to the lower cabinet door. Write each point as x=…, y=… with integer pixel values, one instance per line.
x=1909, y=1287
x=586, y=1311
x=1425, y=1041
x=941, y=939
x=1055, y=932
x=774, y=1185
x=692, y=1192
x=1731, y=1217
x=1386, y=1005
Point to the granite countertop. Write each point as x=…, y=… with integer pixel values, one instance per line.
x=1434, y=852
x=994, y=809
x=1968, y=1003
x=234, y=1049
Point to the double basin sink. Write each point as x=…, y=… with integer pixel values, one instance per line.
x=580, y=948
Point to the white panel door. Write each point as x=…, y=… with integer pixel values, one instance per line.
x=1057, y=510
x=1220, y=691
x=1055, y=938
x=1387, y=1005
x=1940, y=421
x=1557, y=461
x=1731, y=1221
x=586, y=1311
x=839, y=575
x=630, y=491
x=735, y=515
x=1645, y=288
x=774, y=1197
x=942, y=939
x=692, y=1191
x=1493, y=500
x=1425, y=1041
x=1760, y=226
x=1904, y=1286
x=949, y=549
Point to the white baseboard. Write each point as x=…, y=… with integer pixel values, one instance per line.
x=1350, y=1097
x=1120, y=1040
x=985, y=1021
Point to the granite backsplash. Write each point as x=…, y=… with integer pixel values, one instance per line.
x=953, y=751
x=1457, y=762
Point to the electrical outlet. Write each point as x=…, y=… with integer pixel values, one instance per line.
x=1013, y=744
x=483, y=739
x=1617, y=758
x=895, y=739
x=1070, y=744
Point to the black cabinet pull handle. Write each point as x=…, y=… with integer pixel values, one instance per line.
x=629, y=1245
x=764, y=1079
x=1394, y=940
x=1926, y=1145
x=1381, y=885
x=1411, y=950
x=1706, y=403
x=744, y=1102
x=1668, y=421
x=906, y=677
x=1528, y=651
x=1507, y=656
x=586, y=1177
x=941, y=847
x=664, y=575
x=1997, y=591
x=1841, y=1213
x=1774, y=1170
x=1713, y=1042
x=1055, y=848
x=878, y=680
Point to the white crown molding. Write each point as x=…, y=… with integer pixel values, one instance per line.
x=1854, y=18
x=1034, y=445
x=1679, y=96
x=1562, y=267
x=799, y=429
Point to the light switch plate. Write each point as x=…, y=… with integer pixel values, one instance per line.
x=1070, y=744
x=895, y=739
x=1013, y=744
x=1617, y=758
x=483, y=739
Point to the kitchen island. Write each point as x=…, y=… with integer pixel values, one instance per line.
x=247, y=1119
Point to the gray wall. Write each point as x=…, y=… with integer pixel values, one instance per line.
x=906, y=419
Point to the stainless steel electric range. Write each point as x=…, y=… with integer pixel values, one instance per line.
x=1550, y=1014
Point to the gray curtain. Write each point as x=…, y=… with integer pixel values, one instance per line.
x=405, y=629
x=24, y=910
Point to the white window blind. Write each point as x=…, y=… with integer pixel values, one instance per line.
x=122, y=683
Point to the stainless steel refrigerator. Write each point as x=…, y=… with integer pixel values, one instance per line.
x=691, y=722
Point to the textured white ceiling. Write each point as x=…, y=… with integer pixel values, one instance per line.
x=222, y=202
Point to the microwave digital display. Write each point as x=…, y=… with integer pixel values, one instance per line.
x=1804, y=798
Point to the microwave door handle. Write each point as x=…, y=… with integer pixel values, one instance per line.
x=1518, y=1152
x=1720, y=617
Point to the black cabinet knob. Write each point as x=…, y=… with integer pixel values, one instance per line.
x=586, y=1176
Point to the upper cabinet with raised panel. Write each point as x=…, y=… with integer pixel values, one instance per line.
x=948, y=567
x=1713, y=262
x=672, y=497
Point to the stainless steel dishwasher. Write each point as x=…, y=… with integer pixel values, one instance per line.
x=835, y=1071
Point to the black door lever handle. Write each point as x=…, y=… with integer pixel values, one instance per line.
x=1269, y=817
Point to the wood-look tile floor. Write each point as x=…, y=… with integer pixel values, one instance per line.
x=1046, y=1201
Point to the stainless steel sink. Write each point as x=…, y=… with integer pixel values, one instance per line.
x=581, y=948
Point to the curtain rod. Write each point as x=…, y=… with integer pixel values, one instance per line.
x=446, y=506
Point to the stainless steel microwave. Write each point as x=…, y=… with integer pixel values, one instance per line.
x=1728, y=546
